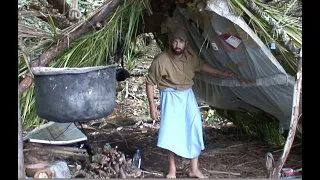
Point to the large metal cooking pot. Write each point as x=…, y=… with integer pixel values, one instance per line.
x=74, y=94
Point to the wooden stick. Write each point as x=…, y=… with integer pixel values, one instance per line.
x=247, y=162
x=71, y=149
x=297, y=145
x=67, y=149
x=153, y=173
x=294, y=120
x=66, y=152
x=127, y=90
x=236, y=145
x=223, y=172
x=21, y=173
x=158, y=153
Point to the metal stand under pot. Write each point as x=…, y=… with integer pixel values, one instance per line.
x=74, y=95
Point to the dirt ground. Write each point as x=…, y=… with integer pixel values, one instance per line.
x=226, y=154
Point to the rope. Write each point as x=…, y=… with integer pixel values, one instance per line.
x=74, y=13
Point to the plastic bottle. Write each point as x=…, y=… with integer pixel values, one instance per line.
x=136, y=160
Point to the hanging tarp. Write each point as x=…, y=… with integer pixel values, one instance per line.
x=225, y=41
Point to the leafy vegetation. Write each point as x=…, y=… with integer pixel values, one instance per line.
x=278, y=22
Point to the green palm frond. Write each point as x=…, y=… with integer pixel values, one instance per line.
x=273, y=23
x=100, y=46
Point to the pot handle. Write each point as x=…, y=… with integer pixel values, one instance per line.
x=30, y=62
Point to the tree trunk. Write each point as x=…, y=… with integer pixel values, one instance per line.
x=52, y=52
x=21, y=173
x=62, y=6
x=152, y=23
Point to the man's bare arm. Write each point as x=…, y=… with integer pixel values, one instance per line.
x=209, y=69
x=149, y=89
x=153, y=110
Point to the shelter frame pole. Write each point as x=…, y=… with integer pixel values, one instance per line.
x=294, y=120
x=21, y=174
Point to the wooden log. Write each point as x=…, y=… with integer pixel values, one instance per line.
x=103, y=174
x=294, y=120
x=122, y=174
x=116, y=167
x=43, y=173
x=153, y=173
x=93, y=166
x=122, y=159
x=61, y=153
x=70, y=149
x=67, y=153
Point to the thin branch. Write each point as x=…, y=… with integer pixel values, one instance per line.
x=294, y=120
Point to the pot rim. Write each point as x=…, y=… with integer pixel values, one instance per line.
x=41, y=70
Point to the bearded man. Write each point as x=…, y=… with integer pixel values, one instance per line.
x=172, y=71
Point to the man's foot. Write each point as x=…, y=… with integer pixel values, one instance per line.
x=196, y=174
x=171, y=174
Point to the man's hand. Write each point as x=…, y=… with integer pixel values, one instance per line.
x=228, y=73
x=153, y=110
x=215, y=72
x=154, y=113
x=214, y=75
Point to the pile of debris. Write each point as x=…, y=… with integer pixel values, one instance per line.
x=48, y=161
x=108, y=162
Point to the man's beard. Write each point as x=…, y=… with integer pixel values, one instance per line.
x=177, y=51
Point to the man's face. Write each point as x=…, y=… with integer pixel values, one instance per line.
x=178, y=45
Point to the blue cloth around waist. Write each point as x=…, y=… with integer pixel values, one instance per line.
x=180, y=124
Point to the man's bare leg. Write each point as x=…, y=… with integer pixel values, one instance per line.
x=172, y=165
x=194, y=171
